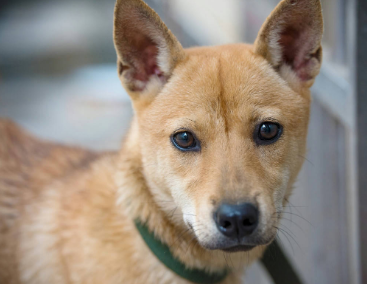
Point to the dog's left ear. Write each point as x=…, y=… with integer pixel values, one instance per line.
x=147, y=51
x=290, y=40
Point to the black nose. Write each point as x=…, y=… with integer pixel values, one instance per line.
x=237, y=221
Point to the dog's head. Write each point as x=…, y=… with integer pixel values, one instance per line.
x=221, y=130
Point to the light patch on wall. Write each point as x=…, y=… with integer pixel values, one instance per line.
x=210, y=21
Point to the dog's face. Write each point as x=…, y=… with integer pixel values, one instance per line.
x=227, y=130
x=222, y=130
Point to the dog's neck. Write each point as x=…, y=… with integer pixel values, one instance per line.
x=135, y=199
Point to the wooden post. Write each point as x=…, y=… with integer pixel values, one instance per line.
x=361, y=129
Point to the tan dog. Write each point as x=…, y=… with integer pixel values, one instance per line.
x=216, y=143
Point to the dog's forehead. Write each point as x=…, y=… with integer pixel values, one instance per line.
x=229, y=78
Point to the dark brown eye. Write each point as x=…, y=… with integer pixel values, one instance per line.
x=185, y=140
x=268, y=132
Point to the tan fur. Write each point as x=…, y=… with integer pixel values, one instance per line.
x=66, y=214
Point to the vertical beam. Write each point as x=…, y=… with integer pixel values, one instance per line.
x=361, y=129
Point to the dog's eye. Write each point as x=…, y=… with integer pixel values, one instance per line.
x=185, y=140
x=268, y=132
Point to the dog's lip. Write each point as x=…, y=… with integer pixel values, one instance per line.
x=239, y=248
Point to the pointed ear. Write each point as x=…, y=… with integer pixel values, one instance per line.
x=147, y=51
x=290, y=40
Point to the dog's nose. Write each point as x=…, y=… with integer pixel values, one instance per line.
x=237, y=221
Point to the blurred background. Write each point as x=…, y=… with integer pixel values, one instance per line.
x=58, y=79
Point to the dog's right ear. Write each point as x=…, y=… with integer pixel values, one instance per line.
x=147, y=52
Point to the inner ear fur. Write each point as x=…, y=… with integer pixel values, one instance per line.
x=146, y=49
x=290, y=39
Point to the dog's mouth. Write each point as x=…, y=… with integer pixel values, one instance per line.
x=239, y=248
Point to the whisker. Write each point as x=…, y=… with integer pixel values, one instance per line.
x=296, y=215
x=224, y=255
x=298, y=226
x=283, y=232
x=293, y=238
x=174, y=210
x=291, y=205
x=306, y=160
x=288, y=230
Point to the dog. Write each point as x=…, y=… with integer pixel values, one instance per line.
x=197, y=190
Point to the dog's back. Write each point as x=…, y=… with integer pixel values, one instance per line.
x=27, y=166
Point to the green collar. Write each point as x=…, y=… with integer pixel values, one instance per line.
x=163, y=253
